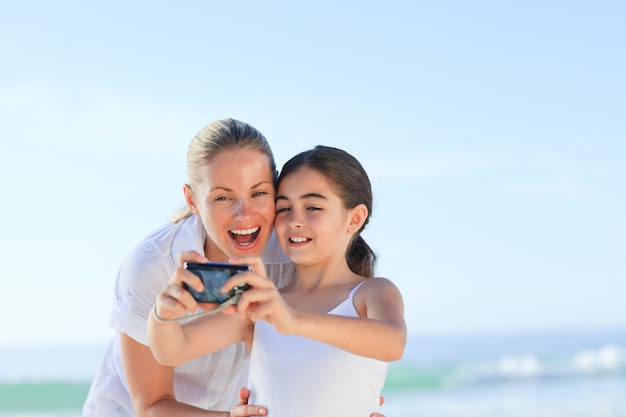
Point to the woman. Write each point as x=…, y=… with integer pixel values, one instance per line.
x=230, y=212
x=324, y=339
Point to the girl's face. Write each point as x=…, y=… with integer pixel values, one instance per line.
x=236, y=204
x=312, y=225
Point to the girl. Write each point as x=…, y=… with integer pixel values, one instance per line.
x=320, y=345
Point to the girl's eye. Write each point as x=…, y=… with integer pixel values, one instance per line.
x=281, y=209
x=313, y=208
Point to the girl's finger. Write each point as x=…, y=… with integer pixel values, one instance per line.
x=253, y=299
x=254, y=261
x=250, y=278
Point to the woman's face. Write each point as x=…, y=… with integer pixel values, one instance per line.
x=236, y=204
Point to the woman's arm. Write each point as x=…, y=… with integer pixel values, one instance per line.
x=151, y=387
x=173, y=343
x=151, y=384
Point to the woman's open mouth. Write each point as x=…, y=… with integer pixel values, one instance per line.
x=245, y=237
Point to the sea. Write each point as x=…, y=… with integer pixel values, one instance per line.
x=540, y=374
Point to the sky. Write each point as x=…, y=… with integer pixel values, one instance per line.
x=493, y=132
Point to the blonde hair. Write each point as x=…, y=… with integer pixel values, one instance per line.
x=221, y=135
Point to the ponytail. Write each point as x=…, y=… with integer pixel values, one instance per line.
x=361, y=258
x=180, y=215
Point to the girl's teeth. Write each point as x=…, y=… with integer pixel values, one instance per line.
x=298, y=239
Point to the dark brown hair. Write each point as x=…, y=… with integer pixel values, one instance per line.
x=353, y=186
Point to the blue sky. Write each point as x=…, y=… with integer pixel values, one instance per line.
x=494, y=134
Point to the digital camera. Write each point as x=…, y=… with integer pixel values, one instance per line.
x=213, y=276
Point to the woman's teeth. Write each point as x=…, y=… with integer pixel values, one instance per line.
x=245, y=237
x=245, y=231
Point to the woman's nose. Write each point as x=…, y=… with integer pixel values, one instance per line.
x=242, y=209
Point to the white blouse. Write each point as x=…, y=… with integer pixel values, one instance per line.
x=210, y=382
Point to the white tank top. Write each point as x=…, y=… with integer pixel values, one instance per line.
x=296, y=376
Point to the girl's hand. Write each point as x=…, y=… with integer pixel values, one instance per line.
x=262, y=301
x=175, y=301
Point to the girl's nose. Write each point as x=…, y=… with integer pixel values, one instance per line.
x=295, y=222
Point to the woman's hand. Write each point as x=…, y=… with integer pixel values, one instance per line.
x=382, y=401
x=175, y=301
x=243, y=409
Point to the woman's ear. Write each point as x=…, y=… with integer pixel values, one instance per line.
x=189, y=198
x=357, y=218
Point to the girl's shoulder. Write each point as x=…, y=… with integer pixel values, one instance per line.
x=378, y=288
x=378, y=282
x=376, y=295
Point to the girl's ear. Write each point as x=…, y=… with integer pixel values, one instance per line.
x=357, y=218
x=189, y=198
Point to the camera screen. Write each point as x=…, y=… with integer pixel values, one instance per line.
x=213, y=277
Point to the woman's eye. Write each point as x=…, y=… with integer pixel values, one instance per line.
x=221, y=198
x=260, y=194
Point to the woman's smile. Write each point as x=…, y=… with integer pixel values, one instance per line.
x=245, y=237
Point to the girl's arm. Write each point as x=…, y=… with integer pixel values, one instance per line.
x=173, y=343
x=379, y=333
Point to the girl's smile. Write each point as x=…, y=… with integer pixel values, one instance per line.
x=311, y=221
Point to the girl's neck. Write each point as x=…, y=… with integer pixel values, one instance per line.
x=310, y=277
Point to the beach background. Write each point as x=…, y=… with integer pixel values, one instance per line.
x=560, y=374
x=493, y=132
